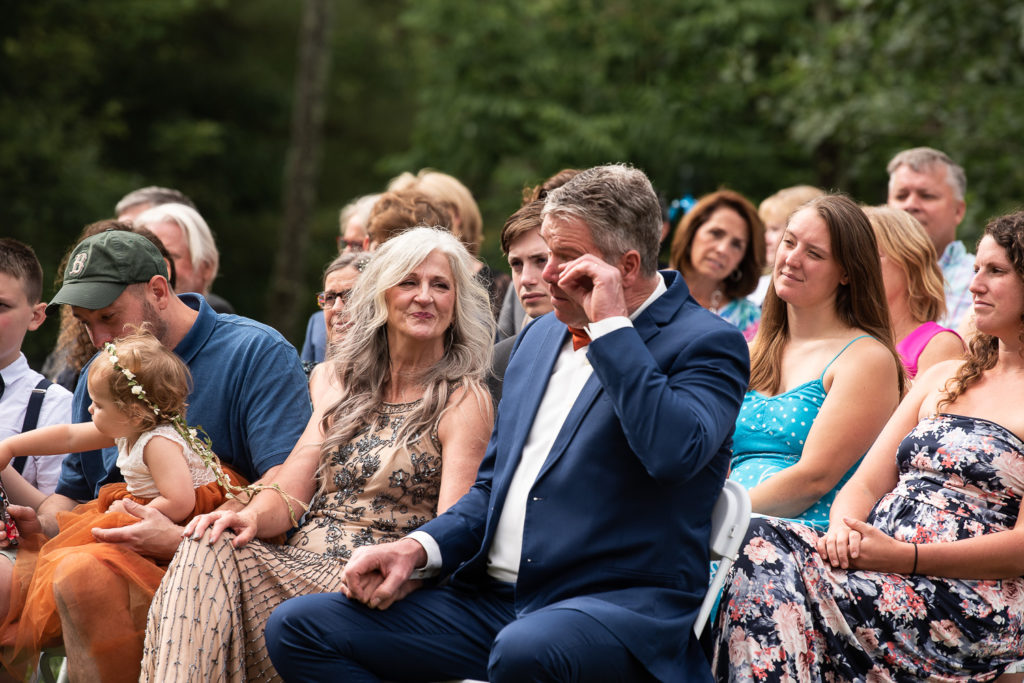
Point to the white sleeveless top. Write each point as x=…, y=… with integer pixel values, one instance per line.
x=135, y=472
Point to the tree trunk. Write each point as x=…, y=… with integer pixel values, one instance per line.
x=302, y=166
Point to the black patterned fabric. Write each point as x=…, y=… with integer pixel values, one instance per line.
x=787, y=615
x=207, y=618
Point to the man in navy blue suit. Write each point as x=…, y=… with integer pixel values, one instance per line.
x=581, y=552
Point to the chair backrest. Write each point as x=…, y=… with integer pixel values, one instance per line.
x=44, y=669
x=729, y=521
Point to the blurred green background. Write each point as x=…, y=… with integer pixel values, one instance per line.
x=98, y=98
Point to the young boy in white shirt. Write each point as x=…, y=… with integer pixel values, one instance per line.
x=27, y=399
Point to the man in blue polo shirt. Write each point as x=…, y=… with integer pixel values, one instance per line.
x=249, y=395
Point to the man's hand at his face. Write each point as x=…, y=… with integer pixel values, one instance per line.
x=595, y=285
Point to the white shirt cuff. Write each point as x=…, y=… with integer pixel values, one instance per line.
x=433, y=565
x=602, y=327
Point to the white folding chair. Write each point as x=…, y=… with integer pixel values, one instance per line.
x=44, y=670
x=1017, y=668
x=729, y=521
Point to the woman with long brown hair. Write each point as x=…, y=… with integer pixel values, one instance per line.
x=824, y=376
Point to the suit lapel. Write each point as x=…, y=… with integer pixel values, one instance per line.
x=662, y=311
x=543, y=353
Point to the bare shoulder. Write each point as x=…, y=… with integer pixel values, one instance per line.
x=862, y=362
x=469, y=407
x=324, y=386
x=930, y=386
x=866, y=354
x=316, y=378
x=945, y=345
x=936, y=376
x=469, y=399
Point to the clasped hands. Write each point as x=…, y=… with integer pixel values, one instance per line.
x=378, y=576
x=854, y=544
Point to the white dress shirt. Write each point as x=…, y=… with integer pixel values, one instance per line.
x=570, y=373
x=41, y=471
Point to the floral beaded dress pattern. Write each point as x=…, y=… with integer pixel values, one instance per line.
x=786, y=615
x=374, y=493
x=208, y=616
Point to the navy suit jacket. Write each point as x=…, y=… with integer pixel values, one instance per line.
x=617, y=521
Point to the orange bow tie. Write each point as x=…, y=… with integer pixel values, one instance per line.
x=580, y=338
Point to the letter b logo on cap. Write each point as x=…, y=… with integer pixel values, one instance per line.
x=78, y=265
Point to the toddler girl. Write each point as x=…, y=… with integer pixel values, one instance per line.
x=138, y=389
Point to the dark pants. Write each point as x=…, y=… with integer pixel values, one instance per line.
x=442, y=633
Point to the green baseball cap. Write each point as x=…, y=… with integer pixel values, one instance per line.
x=101, y=267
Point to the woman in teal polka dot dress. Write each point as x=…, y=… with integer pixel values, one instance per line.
x=824, y=376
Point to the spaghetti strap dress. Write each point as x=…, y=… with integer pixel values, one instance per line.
x=770, y=435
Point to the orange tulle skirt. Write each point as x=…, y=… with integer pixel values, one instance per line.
x=104, y=588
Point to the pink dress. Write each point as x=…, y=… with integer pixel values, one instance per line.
x=913, y=345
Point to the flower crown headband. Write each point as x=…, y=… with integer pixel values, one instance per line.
x=197, y=440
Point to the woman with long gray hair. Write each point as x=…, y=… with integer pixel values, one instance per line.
x=396, y=436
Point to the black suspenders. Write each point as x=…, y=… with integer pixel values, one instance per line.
x=35, y=404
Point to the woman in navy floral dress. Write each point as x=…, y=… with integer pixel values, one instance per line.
x=921, y=573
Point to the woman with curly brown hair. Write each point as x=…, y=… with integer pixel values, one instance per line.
x=920, y=574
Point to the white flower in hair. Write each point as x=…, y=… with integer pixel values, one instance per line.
x=137, y=390
x=128, y=373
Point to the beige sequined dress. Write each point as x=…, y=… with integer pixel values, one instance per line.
x=207, y=618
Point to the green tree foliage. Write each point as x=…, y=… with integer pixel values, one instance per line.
x=513, y=91
x=749, y=94
x=877, y=77
x=100, y=97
